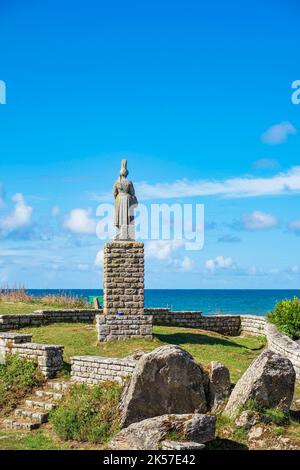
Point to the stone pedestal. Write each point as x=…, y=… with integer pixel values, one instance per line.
x=123, y=293
x=119, y=327
x=123, y=290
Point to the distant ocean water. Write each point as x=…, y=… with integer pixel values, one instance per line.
x=209, y=301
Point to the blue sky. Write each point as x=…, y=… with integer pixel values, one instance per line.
x=192, y=93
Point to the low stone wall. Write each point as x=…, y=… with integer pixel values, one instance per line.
x=45, y=317
x=8, y=340
x=48, y=357
x=228, y=325
x=253, y=325
x=168, y=318
x=94, y=369
x=278, y=342
x=282, y=344
x=120, y=327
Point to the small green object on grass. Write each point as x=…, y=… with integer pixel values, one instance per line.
x=93, y=297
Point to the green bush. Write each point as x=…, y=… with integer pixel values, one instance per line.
x=251, y=405
x=286, y=316
x=88, y=413
x=17, y=378
x=276, y=416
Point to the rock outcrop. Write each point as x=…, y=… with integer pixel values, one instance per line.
x=149, y=433
x=247, y=419
x=165, y=381
x=270, y=381
x=219, y=385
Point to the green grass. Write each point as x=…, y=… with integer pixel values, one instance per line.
x=236, y=353
x=14, y=308
x=88, y=414
x=35, y=440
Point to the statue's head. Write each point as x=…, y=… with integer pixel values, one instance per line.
x=124, y=172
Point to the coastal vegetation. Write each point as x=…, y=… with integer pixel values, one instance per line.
x=18, y=300
x=17, y=378
x=88, y=414
x=286, y=316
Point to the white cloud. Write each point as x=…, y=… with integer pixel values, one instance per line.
x=162, y=249
x=278, y=133
x=20, y=217
x=186, y=264
x=80, y=221
x=287, y=182
x=220, y=262
x=99, y=260
x=294, y=226
x=259, y=221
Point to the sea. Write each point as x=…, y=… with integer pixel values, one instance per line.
x=208, y=301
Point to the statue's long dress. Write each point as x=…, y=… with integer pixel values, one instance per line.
x=124, y=200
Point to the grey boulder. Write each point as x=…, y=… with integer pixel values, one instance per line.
x=270, y=381
x=165, y=381
x=219, y=385
x=149, y=433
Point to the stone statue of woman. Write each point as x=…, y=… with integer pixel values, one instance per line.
x=125, y=202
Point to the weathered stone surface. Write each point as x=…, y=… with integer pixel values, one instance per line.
x=166, y=380
x=148, y=434
x=270, y=380
x=247, y=419
x=219, y=385
x=181, y=445
x=255, y=433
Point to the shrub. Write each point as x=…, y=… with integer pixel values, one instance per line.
x=88, y=413
x=62, y=300
x=286, y=316
x=251, y=405
x=276, y=416
x=17, y=378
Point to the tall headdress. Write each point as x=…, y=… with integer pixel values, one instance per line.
x=124, y=171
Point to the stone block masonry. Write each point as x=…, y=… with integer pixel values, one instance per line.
x=48, y=357
x=277, y=341
x=228, y=325
x=46, y=317
x=94, y=369
x=121, y=327
x=123, y=289
x=253, y=325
